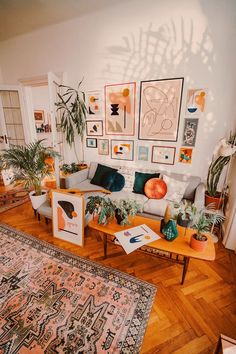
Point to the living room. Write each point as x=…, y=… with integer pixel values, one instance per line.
x=182, y=49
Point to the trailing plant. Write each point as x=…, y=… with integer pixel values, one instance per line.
x=101, y=206
x=203, y=220
x=69, y=168
x=72, y=105
x=225, y=149
x=28, y=164
x=125, y=208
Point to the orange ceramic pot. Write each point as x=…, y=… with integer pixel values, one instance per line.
x=197, y=245
x=217, y=200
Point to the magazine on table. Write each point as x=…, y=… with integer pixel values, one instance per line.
x=135, y=237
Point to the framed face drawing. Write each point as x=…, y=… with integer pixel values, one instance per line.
x=159, y=112
x=122, y=149
x=120, y=109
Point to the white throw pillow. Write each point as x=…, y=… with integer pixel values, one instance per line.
x=175, y=189
x=128, y=174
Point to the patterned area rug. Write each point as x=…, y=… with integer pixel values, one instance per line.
x=13, y=198
x=54, y=302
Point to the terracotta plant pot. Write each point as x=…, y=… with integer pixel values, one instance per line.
x=197, y=245
x=217, y=200
x=83, y=166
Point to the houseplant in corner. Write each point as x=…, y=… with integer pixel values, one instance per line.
x=221, y=157
x=73, y=108
x=29, y=167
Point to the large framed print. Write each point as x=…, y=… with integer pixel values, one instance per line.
x=68, y=217
x=163, y=155
x=94, y=127
x=159, y=110
x=122, y=149
x=120, y=108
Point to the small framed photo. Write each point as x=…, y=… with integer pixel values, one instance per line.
x=68, y=217
x=91, y=142
x=163, y=155
x=122, y=149
x=185, y=155
x=143, y=152
x=94, y=127
x=103, y=146
x=39, y=116
x=95, y=104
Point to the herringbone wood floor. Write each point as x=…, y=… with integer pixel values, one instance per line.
x=184, y=319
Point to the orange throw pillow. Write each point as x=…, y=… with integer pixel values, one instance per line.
x=155, y=188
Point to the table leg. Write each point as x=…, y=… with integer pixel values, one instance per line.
x=105, y=245
x=185, y=269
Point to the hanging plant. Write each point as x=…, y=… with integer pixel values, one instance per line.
x=72, y=105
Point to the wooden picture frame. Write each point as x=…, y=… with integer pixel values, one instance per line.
x=163, y=155
x=159, y=109
x=94, y=127
x=39, y=116
x=91, y=142
x=120, y=109
x=103, y=146
x=68, y=217
x=122, y=149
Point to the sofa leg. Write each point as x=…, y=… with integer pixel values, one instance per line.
x=39, y=217
x=46, y=220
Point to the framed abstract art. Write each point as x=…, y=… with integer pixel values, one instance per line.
x=120, y=109
x=196, y=101
x=122, y=149
x=190, y=131
x=94, y=127
x=94, y=103
x=163, y=155
x=159, y=111
x=185, y=155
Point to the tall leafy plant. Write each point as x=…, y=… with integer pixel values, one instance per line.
x=28, y=164
x=73, y=108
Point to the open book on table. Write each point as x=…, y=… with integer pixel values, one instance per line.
x=135, y=237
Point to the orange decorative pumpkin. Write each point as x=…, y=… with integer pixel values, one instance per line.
x=155, y=188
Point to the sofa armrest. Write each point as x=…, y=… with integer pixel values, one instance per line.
x=199, y=199
x=75, y=178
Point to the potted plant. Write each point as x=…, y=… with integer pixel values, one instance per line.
x=72, y=105
x=68, y=169
x=202, y=223
x=100, y=207
x=125, y=208
x=29, y=167
x=221, y=157
x=185, y=212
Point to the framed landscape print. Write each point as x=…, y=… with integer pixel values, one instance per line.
x=103, y=146
x=143, y=152
x=159, y=111
x=122, y=149
x=91, y=142
x=94, y=127
x=190, y=131
x=68, y=217
x=185, y=155
x=94, y=103
x=163, y=154
x=120, y=108
x=196, y=100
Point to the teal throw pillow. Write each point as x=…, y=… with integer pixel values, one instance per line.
x=141, y=179
x=100, y=173
x=113, y=181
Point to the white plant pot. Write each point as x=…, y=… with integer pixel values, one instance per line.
x=38, y=200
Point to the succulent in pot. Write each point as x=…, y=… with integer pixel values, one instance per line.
x=125, y=209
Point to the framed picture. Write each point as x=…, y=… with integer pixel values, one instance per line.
x=68, y=217
x=94, y=127
x=185, y=155
x=94, y=103
x=190, y=131
x=103, y=146
x=195, y=104
x=120, y=108
x=39, y=116
x=91, y=142
x=143, y=152
x=122, y=149
x=159, y=110
x=163, y=154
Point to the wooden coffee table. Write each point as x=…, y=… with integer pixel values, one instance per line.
x=177, y=251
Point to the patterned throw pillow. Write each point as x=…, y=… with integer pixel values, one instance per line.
x=175, y=189
x=128, y=174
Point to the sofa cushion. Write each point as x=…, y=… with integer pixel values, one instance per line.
x=101, y=171
x=140, y=198
x=193, y=182
x=113, y=181
x=128, y=174
x=175, y=189
x=87, y=185
x=155, y=188
x=155, y=206
x=140, y=180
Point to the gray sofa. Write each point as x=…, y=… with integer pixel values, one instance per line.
x=154, y=208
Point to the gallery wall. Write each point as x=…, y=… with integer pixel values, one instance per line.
x=142, y=40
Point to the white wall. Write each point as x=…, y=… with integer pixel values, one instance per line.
x=140, y=40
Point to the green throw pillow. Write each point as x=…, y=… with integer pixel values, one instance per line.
x=141, y=179
x=101, y=171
